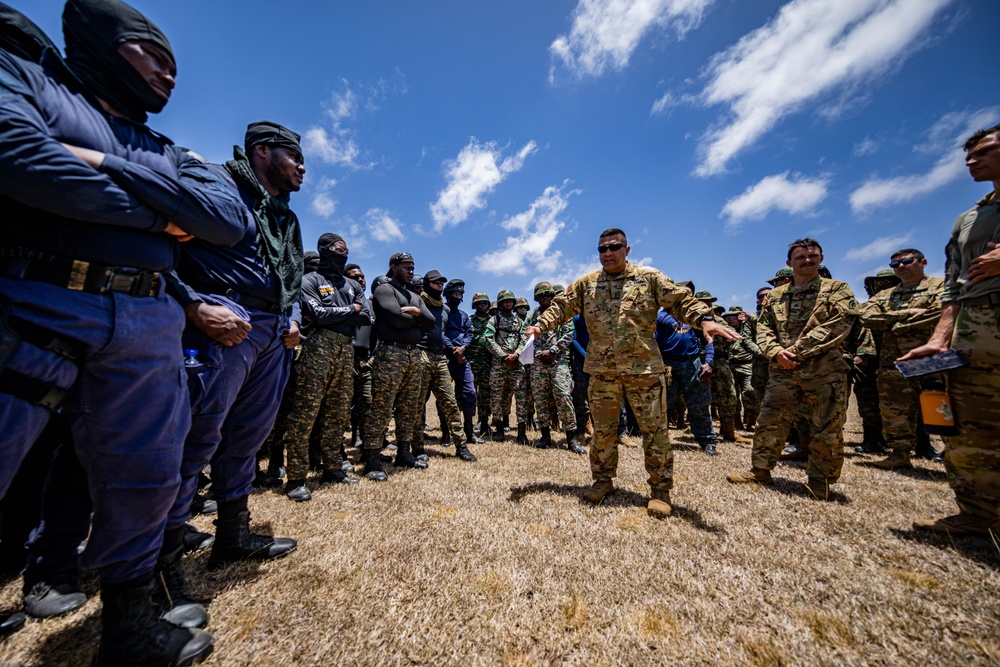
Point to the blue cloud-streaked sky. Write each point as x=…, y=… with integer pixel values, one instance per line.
x=494, y=141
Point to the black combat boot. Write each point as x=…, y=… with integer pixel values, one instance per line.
x=871, y=442
x=132, y=633
x=234, y=542
x=545, y=441
x=462, y=452
x=11, y=624
x=405, y=458
x=171, y=595
x=470, y=433
x=573, y=442
x=498, y=433
x=374, y=470
x=522, y=435
x=445, y=435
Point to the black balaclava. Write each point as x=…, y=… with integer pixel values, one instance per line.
x=330, y=263
x=93, y=30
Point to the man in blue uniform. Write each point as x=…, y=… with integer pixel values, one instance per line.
x=95, y=204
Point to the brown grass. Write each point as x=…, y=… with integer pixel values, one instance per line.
x=501, y=563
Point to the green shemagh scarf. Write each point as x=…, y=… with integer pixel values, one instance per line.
x=431, y=301
x=279, y=248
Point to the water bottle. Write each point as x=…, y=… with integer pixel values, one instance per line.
x=935, y=408
x=191, y=359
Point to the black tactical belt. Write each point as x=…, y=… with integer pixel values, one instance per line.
x=433, y=350
x=402, y=346
x=77, y=274
x=991, y=299
x=332, y=335
x=254, y=302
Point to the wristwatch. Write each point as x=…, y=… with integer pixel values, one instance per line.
x=707, y=318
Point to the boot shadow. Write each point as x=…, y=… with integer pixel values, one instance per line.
x=76, y=644
x=793, y=488
x=979, y=548
x=924, y=474
x=695, y=518
x=618, y=498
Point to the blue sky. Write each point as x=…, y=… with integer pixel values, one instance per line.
x=494, y=141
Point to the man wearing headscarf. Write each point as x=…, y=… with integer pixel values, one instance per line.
x=322, y=383
x=95, y=203
x=242, y=313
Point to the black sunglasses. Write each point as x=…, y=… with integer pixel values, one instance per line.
x=906, y=261
x=613, y=247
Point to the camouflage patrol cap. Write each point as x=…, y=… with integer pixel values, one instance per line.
x=504, y=295
x=558, y=289
x=783, y=272
x=521, y=302
x=734, y=311
x=480, y=297
x=543, y=288
x=884, y=279
x=705, y=295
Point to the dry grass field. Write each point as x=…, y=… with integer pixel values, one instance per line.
x=502, y=563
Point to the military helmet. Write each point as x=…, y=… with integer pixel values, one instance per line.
x=783, y=272
x=504, y=295
x=543, y=288
x=705, y=295
x=480, y=297
x=558, y=289
x=379, y=280
x=455, y=285
x=521, y=302
x=824, y=272
x=418, y=280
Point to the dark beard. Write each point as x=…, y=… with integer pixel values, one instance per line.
x=278, y=179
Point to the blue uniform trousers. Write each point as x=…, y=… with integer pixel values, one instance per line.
x=465, y=387
x=697, y=397
x=127, y=409
x=235, y=395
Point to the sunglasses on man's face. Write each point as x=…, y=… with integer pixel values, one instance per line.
x=906, y=261
x=613, y=247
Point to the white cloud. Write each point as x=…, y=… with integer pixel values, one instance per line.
x=663, y=104
x=866, y=146
x=880, y=248
x=335, y=144
x=382, y=226
x=476, y=172
x=605, y=33
x=323, y=204
x=797, y=195
x=810, y=48
x=534, y=231
x=944, y=139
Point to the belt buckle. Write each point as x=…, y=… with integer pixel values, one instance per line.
x=120, y=280
x=78, y=275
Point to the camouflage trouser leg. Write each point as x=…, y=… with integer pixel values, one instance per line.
x=437, y=379
x=504, y=383
x=481, y=375
x=724, y=390
x=552, y=389
x=742, y=376
x=972, y=458
x=581, y=385
x=821, y=385
x=759, y=384
x=867, y=395
x=396, y=378
x=524, y=405
x=648, y=396
x=899, y=404
x=322, y=388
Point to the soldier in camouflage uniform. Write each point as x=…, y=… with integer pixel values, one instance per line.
x=758, y=379
x=801, y=329
x=866, y=387
x=397, y=366
x=481, y=360
x=322, y=382
x=722, y=382
x=907, y=315
x=523, y=397
x=741, y=356
x=504, y=340
x=552, y=381
x=621, y=302
x=970, y=320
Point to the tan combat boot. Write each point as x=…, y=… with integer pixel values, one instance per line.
x=658, y=506
x=818, y=488
x=898, y=458
x=600, y=488
x=727, y=428
x=754, y=476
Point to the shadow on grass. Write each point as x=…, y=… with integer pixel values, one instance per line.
x=76, y=644
x=923, y=474
x=799, y=489
x=980, y=548
x=617, y=498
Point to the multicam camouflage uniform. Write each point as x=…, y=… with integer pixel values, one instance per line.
x=723, y=384
x=866, y=388
x=552, y=384
x=505, y=335
x=623, y=359
x=480, y=359
x=741, y=357
x=812, y=323
x=889, y=311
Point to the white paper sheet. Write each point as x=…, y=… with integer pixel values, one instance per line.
x=528, y=353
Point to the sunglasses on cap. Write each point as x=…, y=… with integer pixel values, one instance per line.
x=613, y=247
x=906, y=261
